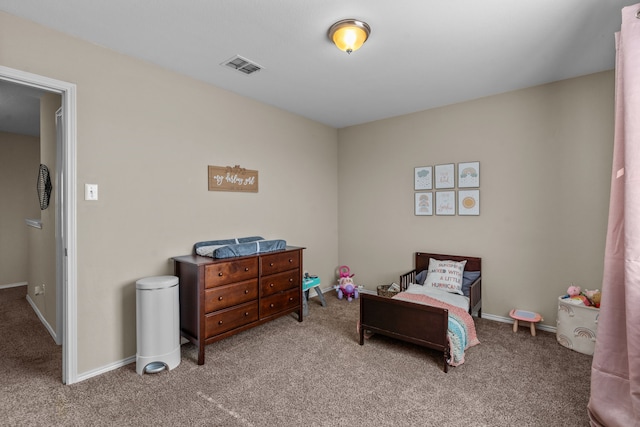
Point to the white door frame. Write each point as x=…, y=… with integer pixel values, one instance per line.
x=67, y=210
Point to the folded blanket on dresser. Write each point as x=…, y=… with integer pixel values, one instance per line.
x=242, y=246
x=462, y=330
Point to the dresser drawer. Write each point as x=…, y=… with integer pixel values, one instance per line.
x=229, y=295
x=222, y=273
x=279, y=282
x=230, y=318
x=277, y=262
x=279, y=302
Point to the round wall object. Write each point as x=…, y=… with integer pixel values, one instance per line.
x=44, y=187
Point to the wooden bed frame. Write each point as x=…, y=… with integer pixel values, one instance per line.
x=412, y=322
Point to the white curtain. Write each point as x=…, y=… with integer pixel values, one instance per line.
x=615, y=372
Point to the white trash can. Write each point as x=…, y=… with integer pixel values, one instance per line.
x=157, y=324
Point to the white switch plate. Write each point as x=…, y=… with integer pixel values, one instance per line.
x=91, y=191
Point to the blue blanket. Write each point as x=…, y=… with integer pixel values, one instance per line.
x=243, y=246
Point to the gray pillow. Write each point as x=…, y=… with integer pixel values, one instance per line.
x=421, y=277
x=468, y=277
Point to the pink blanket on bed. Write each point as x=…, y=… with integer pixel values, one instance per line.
x=457, y=316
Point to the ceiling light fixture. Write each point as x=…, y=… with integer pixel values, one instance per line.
x=349, y=34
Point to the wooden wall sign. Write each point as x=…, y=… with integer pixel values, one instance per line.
x=227, y=178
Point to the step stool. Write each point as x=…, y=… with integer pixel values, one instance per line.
x=307, y=284
x=525, y=316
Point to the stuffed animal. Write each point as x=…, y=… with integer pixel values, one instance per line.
x=574, y=291
x=597, y=297
x=594, y=297
x=346, y=287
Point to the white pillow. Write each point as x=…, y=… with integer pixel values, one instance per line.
x=445, y=275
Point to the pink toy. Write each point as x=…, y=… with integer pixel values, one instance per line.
x=573, y=291
x=345, y=272
x=346, y=287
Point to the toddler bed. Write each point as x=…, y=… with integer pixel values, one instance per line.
x=433, y=309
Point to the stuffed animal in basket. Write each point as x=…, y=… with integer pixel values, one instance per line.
x=594, y=297
x=346, y=287
x=575, y=293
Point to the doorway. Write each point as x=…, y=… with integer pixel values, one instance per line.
x=66, y=256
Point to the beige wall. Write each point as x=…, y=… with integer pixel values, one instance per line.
x=42, y=256
x=19, y=161
x=146, y=136
x=545, y=159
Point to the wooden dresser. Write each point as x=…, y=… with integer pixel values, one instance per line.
x=221, y=297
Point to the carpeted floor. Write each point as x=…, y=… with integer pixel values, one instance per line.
x=287, y=373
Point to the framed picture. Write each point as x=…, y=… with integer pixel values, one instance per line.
x=423, y=178
x=469, y=175
x=424, y=203
x=445, y=176
x=445, y=202
x=468, y=202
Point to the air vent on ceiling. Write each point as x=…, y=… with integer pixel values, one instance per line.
x=242, y=65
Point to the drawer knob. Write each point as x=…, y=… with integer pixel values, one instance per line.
x=219, y=298
x=271, y=285
x=271, y=305
x=290, y=280
x=246, y=291
x=270, y=264
x=290, y=260
x=246, y=313
x=219, y=322
x=246, y=269
x=291, y=299
x=220, y=274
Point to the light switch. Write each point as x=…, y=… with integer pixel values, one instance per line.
x=91, y=191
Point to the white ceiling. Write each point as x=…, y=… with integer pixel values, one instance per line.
x=421, y=53
x=19, y=109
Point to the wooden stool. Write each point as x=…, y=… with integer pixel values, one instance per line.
x=525, y=316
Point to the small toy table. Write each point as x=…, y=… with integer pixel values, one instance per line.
x=525, y=316
x=307, y=284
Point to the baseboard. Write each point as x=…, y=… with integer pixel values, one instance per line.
x=502, y=319
x=13, y=285
x=360, y=290
x=46, y=324
x=324, y=291
x=106, y=368
x=132, y=359
x=487, y=316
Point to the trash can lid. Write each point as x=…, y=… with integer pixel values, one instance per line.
x=157, y=282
